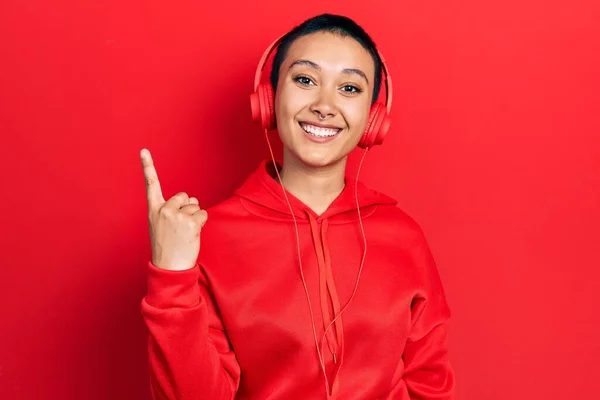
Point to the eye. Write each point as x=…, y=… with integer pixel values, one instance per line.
x=303, y=80
x=351, y=89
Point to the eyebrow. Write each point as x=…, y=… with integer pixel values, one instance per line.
x=311, y=64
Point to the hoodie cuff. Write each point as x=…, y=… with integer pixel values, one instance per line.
x=169, y=289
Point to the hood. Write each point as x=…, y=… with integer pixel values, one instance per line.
x=264, y=196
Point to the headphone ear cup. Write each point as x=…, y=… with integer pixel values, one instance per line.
x=377, y=127
x=262, y=106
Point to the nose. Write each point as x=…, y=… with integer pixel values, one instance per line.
x=324, y=104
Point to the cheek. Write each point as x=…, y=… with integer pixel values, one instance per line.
x=288, y=103
x=357, y=115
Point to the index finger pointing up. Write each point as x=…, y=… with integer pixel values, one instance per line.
x=153, y=191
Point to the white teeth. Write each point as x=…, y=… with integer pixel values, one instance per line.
x=319, y=132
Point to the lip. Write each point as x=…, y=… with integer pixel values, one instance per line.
x=326, y=126
x=317, y=139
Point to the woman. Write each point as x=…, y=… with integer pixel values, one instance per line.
x=277, y=304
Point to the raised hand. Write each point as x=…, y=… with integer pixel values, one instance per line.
x=174, y=224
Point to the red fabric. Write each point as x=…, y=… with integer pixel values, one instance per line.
x=238, y=325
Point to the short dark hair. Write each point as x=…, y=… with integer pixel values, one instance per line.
x=336, y=24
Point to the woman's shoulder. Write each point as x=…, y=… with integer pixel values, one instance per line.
x=395, y=219
x=399, y=222
x=227, y=207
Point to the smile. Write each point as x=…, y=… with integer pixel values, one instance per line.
x=318, y=131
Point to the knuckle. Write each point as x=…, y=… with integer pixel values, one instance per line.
x=165, y=212
x=192, y=224
x=202, y=217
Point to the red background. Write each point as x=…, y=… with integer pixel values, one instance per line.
x=494, y=149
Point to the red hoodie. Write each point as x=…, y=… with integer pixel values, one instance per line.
x=238, y=325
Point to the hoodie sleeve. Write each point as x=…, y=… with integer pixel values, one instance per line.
x=427, y=374
x=188, y=352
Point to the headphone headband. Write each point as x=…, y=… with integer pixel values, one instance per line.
x=263, y=61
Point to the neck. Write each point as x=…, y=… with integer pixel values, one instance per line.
x=317, y=187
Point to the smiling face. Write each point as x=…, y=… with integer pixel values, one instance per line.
x=323, y=98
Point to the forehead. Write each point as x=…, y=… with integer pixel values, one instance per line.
x=331, y=51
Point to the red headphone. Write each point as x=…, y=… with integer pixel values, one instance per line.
x=263, y=111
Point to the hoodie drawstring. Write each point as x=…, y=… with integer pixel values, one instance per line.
x=330, y=303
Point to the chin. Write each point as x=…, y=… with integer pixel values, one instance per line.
x=318, y=158
x=316, y=162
